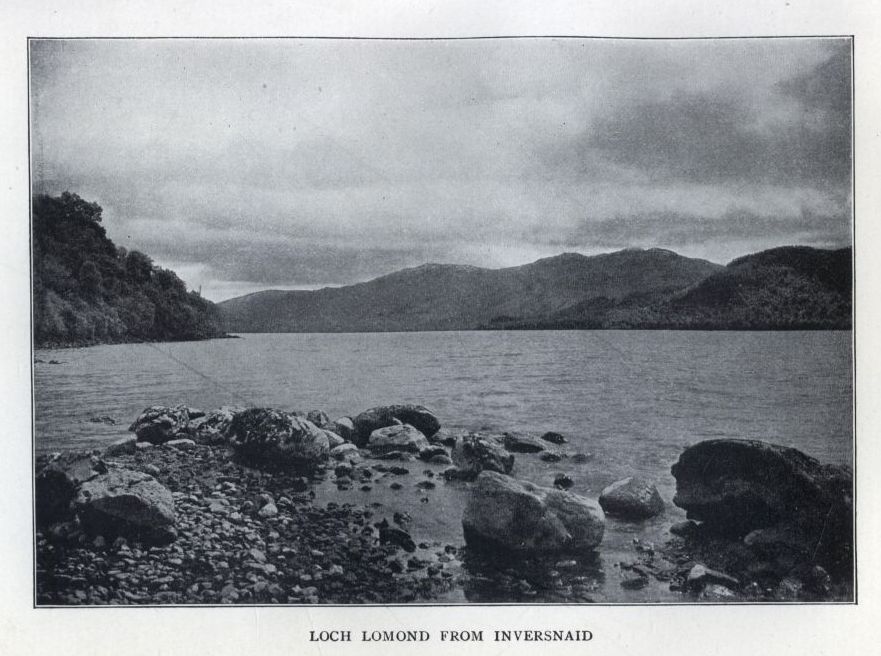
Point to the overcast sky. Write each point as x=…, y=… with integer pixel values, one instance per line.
x=284, y=164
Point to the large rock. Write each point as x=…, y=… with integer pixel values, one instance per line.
x=123, y=446
x=333, y=439
x=213, y=428
x=398, y=437
x=519, y=516
x=475, y=453
x=344, y=427
x=159, y=424
x=126, y=503
x=56, y=484
x=736, y=486
x=631, y=498
x=417, y=416
x=271, y=437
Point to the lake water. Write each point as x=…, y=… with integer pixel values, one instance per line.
x=633, y=400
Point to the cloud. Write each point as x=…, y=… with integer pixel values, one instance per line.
x=797, y=133
x=307, y=162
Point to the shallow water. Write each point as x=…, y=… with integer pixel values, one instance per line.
x=631, y=399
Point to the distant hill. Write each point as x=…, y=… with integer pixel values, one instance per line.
x=793, y=287
x=88, y=291
x=454, y=297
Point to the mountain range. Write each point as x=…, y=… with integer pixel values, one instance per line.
x=792, y=287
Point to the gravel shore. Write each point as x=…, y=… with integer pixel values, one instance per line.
x=244, y=536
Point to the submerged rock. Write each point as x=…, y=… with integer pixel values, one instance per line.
x=126, y=503
x=563, y=482
x=397, y=438
x=520, y=443
x=159, y=424
x=554, y=438
x=271, y=437
x=522, y=517
x=420, y=417
x=474, y=453
x=631, y=498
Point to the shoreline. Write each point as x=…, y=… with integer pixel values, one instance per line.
x=218, y=499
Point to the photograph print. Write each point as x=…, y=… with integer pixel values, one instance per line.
x=442, y=321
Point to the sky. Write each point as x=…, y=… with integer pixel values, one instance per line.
x=303, y=163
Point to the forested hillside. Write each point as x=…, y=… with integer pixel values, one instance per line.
x=787, y=288
x=86, y=290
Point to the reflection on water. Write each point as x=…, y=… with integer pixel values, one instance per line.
x=495, y=578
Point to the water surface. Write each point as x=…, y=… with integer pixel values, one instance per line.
x=633, y=400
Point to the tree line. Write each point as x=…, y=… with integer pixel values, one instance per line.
x=87, y=290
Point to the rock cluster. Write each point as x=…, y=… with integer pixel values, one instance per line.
x=244, y=535
x=416, y=416
x=218, y=507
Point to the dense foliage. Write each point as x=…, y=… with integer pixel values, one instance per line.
x=88, y=291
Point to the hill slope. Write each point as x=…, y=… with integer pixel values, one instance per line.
x=453, y=297
x=793, y=287
x=87, y=291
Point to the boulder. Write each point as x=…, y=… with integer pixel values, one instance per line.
x=344, y=451
x=320, y=419
x=446, y=437
x=474, y=453
x=631, y=498
x=518, y=516
x=158, y=424
x=344, y=428
x=736, y=486
x=121, y=447
x=333, y=439
x=56, y=484
x=417, y=416
x=126, y=503
x=397, y=438
x=213, y=428
x=520, y=443
x=271, y=437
